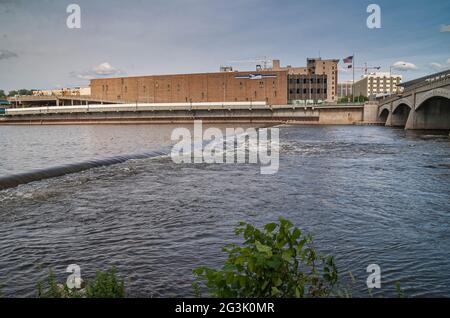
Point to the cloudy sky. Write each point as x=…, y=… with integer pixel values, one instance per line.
x=137, y=37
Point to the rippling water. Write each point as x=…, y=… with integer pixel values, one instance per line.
x=368, y=194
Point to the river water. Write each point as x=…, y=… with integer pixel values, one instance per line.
x=367, y=194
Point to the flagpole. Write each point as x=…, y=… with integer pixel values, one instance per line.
x=353, y=86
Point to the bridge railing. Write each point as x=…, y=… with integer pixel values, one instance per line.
x=431, y=82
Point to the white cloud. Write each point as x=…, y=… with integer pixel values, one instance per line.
x=448, y=61
x=445, y=28
x=5, y=54
x=102, y=70
x=437, y=66
x=404, y=66
x=105, y=69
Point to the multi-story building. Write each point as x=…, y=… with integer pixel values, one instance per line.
x=307, y=88
x=345, y=89
x=316, y=67
x=275, y=85
x=76, y=91
x=377, y=84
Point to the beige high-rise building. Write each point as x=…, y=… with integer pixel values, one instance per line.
x=329, y=68
x=378, y=84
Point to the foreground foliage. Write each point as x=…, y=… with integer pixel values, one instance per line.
x=277, y=261
x=105, y=285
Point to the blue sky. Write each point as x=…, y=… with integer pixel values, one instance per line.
x=138, y=37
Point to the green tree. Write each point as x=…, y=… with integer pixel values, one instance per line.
x=2, y=94
x=277, y=261
x=13, y=93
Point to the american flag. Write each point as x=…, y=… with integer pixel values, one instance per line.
x=348, y=60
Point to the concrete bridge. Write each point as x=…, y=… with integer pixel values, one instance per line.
x=424, y=104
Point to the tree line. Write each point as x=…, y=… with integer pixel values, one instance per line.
x=23, y=92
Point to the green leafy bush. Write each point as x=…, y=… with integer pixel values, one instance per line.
x=105, y=285
x=277, y=261
x=51, y=289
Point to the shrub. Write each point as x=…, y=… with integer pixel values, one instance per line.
x=277, y=262
x=51, y=289
x=105, y=285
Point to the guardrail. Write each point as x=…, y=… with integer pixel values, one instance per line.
x=98, y=108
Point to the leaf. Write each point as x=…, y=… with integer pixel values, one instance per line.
x=287, y=255
x=297, y=292
x=271, y=227
x=263, y=248
x=275, y=291
x=278, y=282
x=296, y=234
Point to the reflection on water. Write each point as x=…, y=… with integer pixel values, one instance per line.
x=369, y=195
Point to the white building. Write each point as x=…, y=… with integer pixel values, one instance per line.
x=378, y=84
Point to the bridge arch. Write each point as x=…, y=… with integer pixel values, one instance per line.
x=433, y=111
x=400, y=114
x=384, y=108
x=383, y=115
x=402, y=102
x=442, y=93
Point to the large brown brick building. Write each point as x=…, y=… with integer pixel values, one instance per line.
x=275, y=85
x=269, y=86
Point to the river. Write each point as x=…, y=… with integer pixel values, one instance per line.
x=367, y=194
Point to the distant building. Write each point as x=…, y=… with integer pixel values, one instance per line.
x=315, y=68
x=377, y=85
x=345, y=89
x=305, y=89
x=226, y=69
x=76, y=91
x=276, y=85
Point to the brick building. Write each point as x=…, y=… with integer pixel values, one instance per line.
x=270, y=87
x=316, y=67
x=275, y=86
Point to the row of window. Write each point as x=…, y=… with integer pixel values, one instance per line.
x=305, y=91
x=306, y=81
